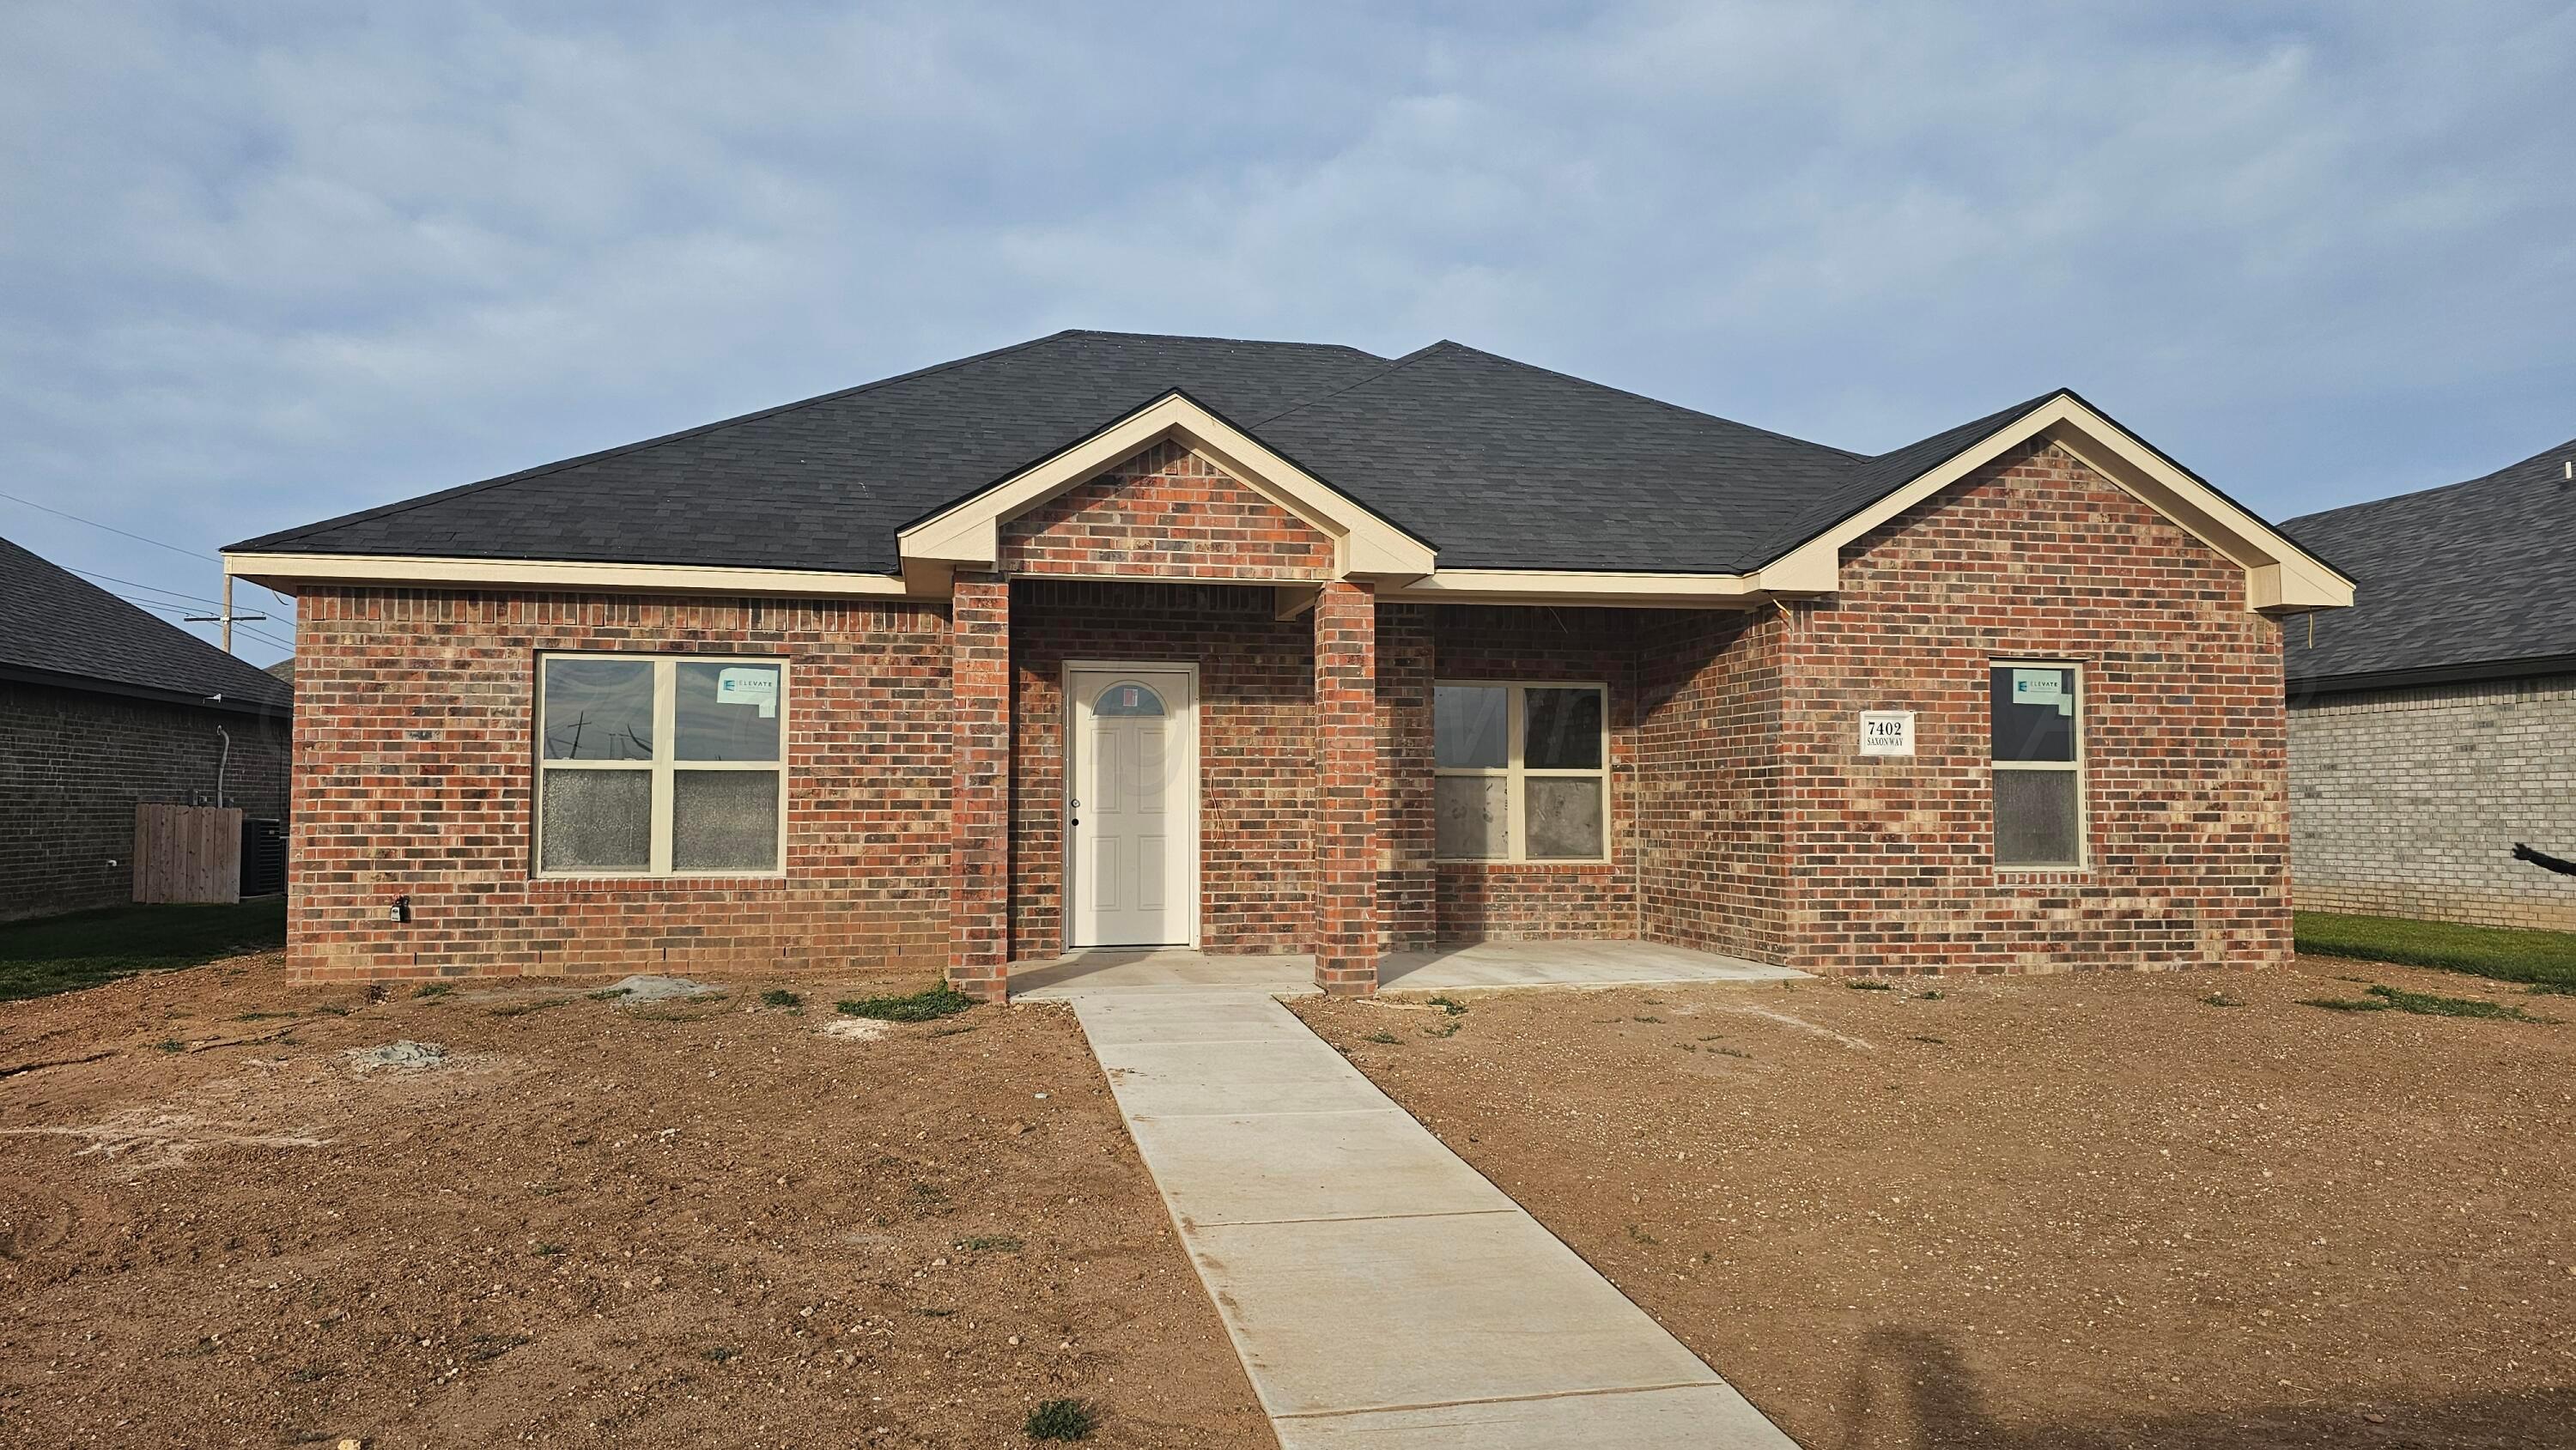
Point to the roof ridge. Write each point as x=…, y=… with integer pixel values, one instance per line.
x=402, y=506
x=2565, y=451
x=1203, y=337
x=1395, y=366
x=1663, y=403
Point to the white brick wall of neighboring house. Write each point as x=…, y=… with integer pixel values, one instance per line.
x=2407, y=802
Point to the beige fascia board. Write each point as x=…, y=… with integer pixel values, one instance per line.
x=968, y=534
x=284, y=572
x=1570, y=586
x=2279, y=576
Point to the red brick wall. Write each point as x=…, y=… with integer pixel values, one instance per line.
x=1408, y=884
x=1504, y=901
x=1167, y=513
x=1256, y=749
x=979, y=781
x=413, y=741
x=75, y=763
x=1712, y=874
x=2036, y=557
x=1347, y=795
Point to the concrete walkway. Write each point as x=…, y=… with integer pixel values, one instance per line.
x=1456, y=967
x=1380, y=1291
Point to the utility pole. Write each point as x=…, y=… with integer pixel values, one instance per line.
x=227, y=617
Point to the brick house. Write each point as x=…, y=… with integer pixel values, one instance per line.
x=103, y=707
x=1109, y=639
x=2434, y=728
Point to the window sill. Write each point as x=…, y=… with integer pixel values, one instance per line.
x=729, y=882
x=1491, y=864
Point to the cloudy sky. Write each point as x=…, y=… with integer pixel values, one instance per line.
x=262, y=264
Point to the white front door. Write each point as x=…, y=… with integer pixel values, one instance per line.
x=1131, y=806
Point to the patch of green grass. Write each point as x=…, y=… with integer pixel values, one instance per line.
x=990, y=1244
x=1450, y=1005
x=522, y=1009
x=1869, y=984
x=928, y=1004
x=1061, y=1420
x=65, y=953
x=1383, y=1038
x=2395, y=999
x=780, y=997
x=549, y=1251
x=2505, y=954
x=2554, y=989
x=434, y=989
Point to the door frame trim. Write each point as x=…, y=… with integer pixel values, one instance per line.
x=1190, y=784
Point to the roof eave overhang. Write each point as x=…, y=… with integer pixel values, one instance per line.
x=967, y=535
x=190, y=699
x=288, y=572
x=2280, y=577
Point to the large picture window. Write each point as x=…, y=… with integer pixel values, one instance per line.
x=2038, y=734
x=1521, y=772
x=660, y=766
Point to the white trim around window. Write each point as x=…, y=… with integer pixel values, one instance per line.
x=587, y=727
x=1999, y=677
x=1517, y=778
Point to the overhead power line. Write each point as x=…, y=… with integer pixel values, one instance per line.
x=125, y=533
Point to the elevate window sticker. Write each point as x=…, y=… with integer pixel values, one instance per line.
x=752, y=685
x=2042, y=687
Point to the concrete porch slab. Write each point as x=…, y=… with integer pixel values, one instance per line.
x=1565, y=964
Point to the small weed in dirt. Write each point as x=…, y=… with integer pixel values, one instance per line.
x=780, y=997
x=522, y=1009
x=330, y=1011
x=2388, y=999
x=433, y=989
x=1061, y=1420
x=926, y=1005
x=1870, y=984
x=1448, y=1028
x=2221, y=999
x=719, y=1353
x=989, y=1244
x=548, y=1251
x=1933, y=1041
x=1382, y=1038
x=1934, y=995
x=1645, y=1019
x=1732, y=1052
x=930, y=1193
x=1639, y=1235
x=261, y=1016
x=311, y=1374
x=172, y=1044
x=1450, y=1005
x=610, y=994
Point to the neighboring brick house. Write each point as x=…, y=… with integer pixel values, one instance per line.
x=1110, y=639
x=2434, y=728
x=103, y=707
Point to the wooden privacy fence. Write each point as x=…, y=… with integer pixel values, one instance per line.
x=187, y=853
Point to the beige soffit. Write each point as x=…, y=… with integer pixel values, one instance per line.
x=285, y=571
x=2280, y=577
x=968, y=534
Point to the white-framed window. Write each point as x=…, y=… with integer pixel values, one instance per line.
x=1521, y=771
x=2036, y=725
x=661, y=765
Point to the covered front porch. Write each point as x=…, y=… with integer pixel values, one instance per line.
x=1465, y=966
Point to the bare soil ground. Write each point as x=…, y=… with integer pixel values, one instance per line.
x=2085, y=1211
x=676, y=1224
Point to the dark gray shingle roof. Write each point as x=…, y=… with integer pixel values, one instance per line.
x=56, y=623
x=1495, y=463
x=2477, y=578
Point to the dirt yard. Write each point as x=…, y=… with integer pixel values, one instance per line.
x=676, y=1224
x=2049, y=1212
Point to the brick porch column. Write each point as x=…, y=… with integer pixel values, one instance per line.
x=1346, y=816
x=979, y=789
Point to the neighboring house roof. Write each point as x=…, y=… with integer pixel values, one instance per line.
x=59, y=628
x=2475, y=580
x=1493, y=464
